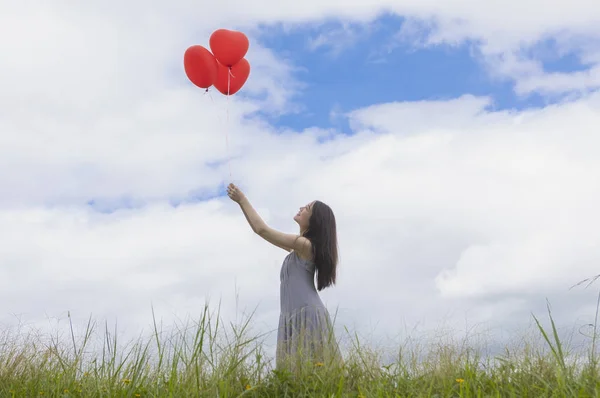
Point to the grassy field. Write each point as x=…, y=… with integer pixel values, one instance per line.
x=209, y=359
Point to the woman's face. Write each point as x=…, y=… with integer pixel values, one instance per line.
x=303, y=216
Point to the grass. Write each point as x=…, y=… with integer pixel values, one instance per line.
x=206, y=358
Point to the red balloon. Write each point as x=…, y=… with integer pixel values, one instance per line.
x=229, y=46
x=238, y=77
x=200, y=66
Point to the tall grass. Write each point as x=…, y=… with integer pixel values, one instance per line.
x=206, y=358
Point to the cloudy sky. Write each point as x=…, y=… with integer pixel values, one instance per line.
x=456, y=142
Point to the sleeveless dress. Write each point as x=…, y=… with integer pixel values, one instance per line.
x=305, y=330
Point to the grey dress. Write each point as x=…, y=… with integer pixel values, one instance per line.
x=305, y=328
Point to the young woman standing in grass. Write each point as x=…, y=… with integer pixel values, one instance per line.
x=305, y=328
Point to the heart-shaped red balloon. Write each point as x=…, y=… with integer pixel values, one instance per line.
x=235, y=80
x=229, y=46
x=200, y=66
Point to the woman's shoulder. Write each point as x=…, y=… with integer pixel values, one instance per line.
x=304, y=248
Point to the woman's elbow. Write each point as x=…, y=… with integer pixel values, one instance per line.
x=260, y=231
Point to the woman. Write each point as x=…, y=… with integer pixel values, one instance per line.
x=305, y=330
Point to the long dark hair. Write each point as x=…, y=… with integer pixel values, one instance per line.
x=322, y=234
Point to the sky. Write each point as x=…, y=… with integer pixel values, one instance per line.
x=454, y=141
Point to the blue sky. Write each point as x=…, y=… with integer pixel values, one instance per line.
x=365, y=73
x=554, y=59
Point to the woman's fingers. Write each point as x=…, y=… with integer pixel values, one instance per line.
x=232, y=191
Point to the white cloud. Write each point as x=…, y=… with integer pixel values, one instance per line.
x=557, y=83
x=443, y=207
x=338, y=39
x=509, y=50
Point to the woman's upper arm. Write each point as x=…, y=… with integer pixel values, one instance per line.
x=281, y=247
x=286, y=241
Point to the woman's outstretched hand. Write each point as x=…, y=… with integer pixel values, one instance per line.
x=235, y=193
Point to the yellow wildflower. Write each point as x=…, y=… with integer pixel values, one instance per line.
x=126, y=381
x=460, y=380
x=319, y=364
x=248, y=387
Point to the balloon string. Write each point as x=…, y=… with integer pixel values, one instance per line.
x=209, y=96
x=227, y=127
